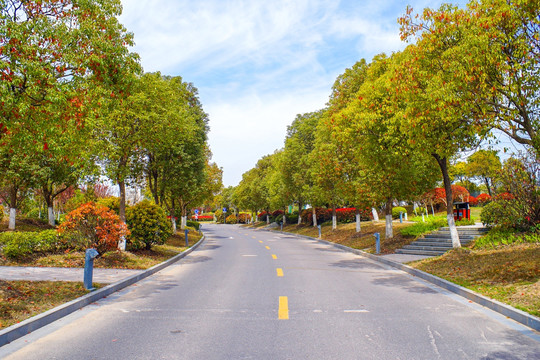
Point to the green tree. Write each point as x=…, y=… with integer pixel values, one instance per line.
x=485, y=165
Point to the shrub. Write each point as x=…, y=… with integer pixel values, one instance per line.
x=112, y=202
x=35, y=214
x=193, y=224
x=292, y=218
x=420, y=228
x=503, y=213
x=473, y=201
x=148, y=225
x=396, y=210
x=231, y=219
x=483, y=199
x=94, y=226
x=203, y=218
x=420, y=210
x=244, y=218
x=21, y=244
x=499, y=236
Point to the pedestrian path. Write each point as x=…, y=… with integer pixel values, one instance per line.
x=103, y=276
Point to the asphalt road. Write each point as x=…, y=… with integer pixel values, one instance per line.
x=248, y=294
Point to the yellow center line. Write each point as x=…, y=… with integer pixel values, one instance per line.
x=267, y=247
x=283, y=312
x=260, y=241
x=279, y=272
x=274, y=257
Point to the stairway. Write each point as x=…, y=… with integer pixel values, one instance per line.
x=439, y=242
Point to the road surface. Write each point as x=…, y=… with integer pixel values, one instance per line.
x=253, y=294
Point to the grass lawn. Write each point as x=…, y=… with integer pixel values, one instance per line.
x=20, y=300
x=507, y=273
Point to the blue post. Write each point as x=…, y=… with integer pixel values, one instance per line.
x=186, y=231
x=401, y=217
x=89, y=267
x=319, y=227
x=377, y=243
x=281, y=226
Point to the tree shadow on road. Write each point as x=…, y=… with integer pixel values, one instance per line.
x=403, y=282
x=357, y=264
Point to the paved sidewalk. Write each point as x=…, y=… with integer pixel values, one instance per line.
x=103, y=276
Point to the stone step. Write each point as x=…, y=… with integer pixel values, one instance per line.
x=427, y=248
x=437, y=244
x=443, y=236
x=420, y=252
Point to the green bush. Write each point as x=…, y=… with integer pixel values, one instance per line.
x=112, y=202
x=21, y=244
x=501, y=236
x=421, y=228
x=501, y=213
x=35, y=214
x=396, y=210
x=148, y=224
x=193, y=224
x=420, y=210
x=292, y=218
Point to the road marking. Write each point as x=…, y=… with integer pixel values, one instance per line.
x=355, y=311
x=267, y=247
x=260, y=241
x=279, y=272
x=274, y=257
x=249, y=255
x=283, y=312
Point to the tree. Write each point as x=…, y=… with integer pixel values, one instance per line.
x=443, y=115
x=51, y=72
x=501, y=48
x=484, y=164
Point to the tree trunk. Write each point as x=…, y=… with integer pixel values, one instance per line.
x=486, y=180
x=48, y=197
x=314, y=217
x=388, y=215
x=334, y=218
x=12, y=206
x=443, y=164
x=357, y=219
x=122, y=212
x=299, y=213
x=375, y=214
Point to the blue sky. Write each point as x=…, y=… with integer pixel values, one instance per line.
x=259, y=63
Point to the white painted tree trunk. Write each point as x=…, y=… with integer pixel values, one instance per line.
x=357, y=223
x=122, y=243
x=389, y=229
x=50, y=215
x=284, y=219
x=299, y=219
x=314, y=218
x=406, y=219
x=453, y=231
x=173, y=221
x=375, y=214
x=334, y=222
x=12, y=215
x=267, y=219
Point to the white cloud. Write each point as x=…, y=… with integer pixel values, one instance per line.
x=258, y=63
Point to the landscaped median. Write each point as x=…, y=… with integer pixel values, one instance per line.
x=20, y=300
x=508, y=272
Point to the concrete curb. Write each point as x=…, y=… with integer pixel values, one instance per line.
x=506, y=310
x=27, y=326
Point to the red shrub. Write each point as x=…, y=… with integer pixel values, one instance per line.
x=483, y=199
x=473, y=201
x=99, y=227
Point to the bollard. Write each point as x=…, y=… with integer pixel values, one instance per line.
x=89, y=268
x=319, y=227
x=281, y=226
x=401, y=217
x=186, y=231
x=377, y=243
